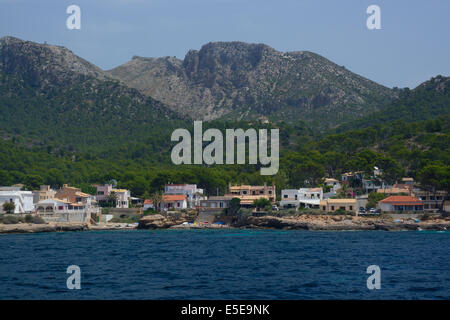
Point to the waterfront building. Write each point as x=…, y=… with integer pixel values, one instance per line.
x=193, y=194
x=400, y=204
x=332, y=205
x=148, y=204
x=303, y=197
x=58, y=210
x=23, y=200
x=122, y=196
x=44, y=193
x=432, y=201
x=174, y=201
x=247, y=193
x=215, y=203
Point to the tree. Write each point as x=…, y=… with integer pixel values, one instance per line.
x=261, y=203
x=112, y=199
x=234, y=206
x=33, y=181
x=156, y=198
x=373, y=199
x=343, y=192
x=9, y=207
x=435, y=177
x=54, y=178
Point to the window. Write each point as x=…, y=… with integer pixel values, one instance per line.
x=178, y=204
x=270, y=191
x=285, y=196
x=351, y=208
x=100, y=193
x=332, y=208
x=324, y=208
x=221, y=204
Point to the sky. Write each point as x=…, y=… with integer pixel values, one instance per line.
x=412, y=45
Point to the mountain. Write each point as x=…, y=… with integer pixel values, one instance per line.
x=235, y=80
x=43, y=64
x=50, y=95
x=429, y=100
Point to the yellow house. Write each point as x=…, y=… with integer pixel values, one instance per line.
x=332, y=205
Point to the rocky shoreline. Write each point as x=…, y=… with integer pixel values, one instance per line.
x=302, y=222
x=341, y=223
x=59, y=227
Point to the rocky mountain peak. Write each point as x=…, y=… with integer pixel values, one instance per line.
x=44, y=63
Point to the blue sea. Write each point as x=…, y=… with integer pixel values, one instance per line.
x=225, y=264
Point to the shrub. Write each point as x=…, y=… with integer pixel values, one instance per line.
x=425, y=216
x=38, y=220
x=9, y=219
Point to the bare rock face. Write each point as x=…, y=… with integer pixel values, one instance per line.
x=236, y=80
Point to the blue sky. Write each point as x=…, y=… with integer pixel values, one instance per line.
x=412, y=46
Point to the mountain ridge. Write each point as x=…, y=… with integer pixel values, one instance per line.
x=241, y=80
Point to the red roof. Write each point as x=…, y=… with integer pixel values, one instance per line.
x=174, y=197
x=148, y=201
x=402, y=200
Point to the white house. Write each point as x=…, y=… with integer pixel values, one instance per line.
x=289, y=198
x=174, y=201
x=333, y=184
x=63, y=211
x=193, y=194
x=23, y=200
x=123, y=198
x=148, y=204
x=305, y=197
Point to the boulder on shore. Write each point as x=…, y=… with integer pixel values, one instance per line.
x=158, y=221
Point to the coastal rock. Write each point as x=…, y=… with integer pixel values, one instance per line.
x=36, y=228
x=158, y=221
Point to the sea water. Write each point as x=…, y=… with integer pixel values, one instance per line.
x=225, y=264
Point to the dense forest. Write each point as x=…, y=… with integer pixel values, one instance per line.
x=417, y=149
